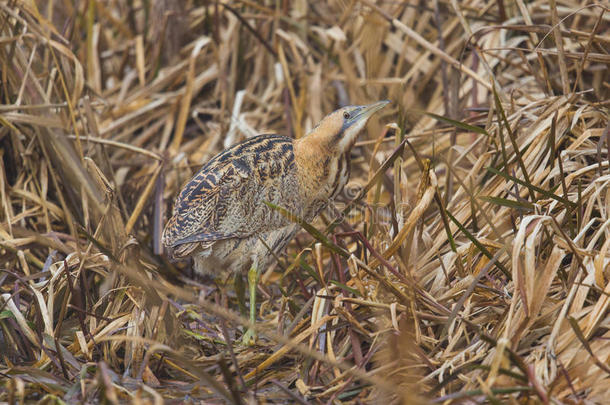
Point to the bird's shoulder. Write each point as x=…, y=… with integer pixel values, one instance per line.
x=250, y=161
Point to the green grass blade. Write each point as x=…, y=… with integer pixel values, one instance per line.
x=478, y=244
x=309, y=228
x=505, y=202
x=546, y=193
x=458, y=124
x=346, y=288
x=512, y=138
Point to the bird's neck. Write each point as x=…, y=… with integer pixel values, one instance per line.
x=312, y=156
x=323, y=172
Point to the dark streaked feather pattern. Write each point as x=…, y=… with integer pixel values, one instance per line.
x=225, y=198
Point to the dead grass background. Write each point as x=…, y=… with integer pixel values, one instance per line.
x=478, y=258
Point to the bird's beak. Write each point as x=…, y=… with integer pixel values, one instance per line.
x=367, y=110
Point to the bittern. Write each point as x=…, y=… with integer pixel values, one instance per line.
x=221, y=217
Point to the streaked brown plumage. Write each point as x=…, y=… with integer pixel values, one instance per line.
x=220, y=214
x=220, y=217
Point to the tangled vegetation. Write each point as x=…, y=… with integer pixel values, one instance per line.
x=466, y=261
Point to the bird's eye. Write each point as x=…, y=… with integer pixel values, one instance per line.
x=346, y=115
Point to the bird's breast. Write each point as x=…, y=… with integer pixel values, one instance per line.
x=340, y=176
x=322, y=179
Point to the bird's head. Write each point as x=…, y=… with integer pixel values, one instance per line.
x=338, y=130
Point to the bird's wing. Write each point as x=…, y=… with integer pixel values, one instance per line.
x=225, y=198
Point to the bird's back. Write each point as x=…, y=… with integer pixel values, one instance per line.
x=226, y=198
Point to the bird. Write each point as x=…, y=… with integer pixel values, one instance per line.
x=224, y=217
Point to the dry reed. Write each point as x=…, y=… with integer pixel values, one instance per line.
x=472, y=264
